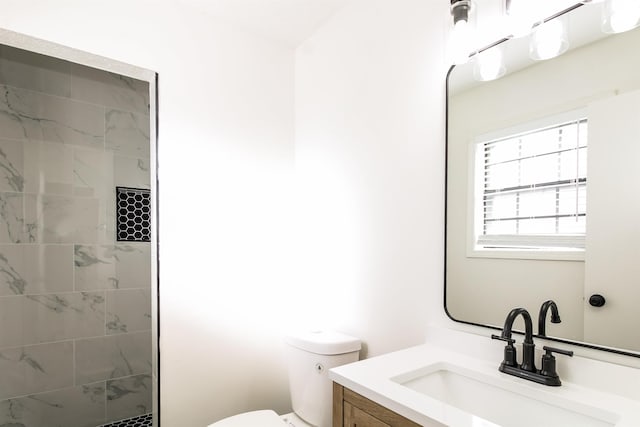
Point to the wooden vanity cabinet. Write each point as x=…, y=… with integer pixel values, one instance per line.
x=353, y=410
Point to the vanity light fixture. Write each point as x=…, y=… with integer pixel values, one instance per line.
x=549, y=39
x=462, y=12
x=489, y=64
x=619, y=16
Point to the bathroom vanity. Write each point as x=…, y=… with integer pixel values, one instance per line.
x=436, y=384
x=351, y=410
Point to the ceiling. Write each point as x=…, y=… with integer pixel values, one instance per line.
x=287, y=21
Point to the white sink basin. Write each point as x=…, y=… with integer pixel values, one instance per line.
x=494, y=401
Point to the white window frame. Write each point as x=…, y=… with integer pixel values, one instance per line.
x=475, y=191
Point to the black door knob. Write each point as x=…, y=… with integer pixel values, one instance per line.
x=597, y=300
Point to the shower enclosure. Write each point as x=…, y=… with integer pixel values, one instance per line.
x=77, y=282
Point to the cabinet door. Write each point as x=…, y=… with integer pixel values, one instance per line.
x=354, y=417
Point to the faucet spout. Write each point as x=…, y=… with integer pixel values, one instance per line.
x=542, y=318
x=528, y=324
x=528, y=347
x=527, y=369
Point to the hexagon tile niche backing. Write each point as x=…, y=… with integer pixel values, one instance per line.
x=140, y=421
x=133, y=216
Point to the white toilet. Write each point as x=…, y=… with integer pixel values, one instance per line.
x=309, y=356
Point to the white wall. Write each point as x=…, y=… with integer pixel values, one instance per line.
x=370, y=162
x=226, y=166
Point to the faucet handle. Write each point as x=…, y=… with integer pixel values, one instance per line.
x=509, y=351
x=510, y=341
x=551, y=350
x=549, y=364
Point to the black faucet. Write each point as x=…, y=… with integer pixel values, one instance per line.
x=527, y=369
x=542, y=317
x=528, y=347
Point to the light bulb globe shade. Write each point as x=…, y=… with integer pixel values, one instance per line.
x=549, y=40
x=489, y=64
x=461, y=42
x=619, y=16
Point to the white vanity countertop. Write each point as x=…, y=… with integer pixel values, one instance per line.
x=372, y=378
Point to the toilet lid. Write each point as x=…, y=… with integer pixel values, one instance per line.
x=265, y=418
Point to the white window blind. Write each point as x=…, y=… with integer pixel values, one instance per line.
x=534, y=189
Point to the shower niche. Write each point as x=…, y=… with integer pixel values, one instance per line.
x=78, y=336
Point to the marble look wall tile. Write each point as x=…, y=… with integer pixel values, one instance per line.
x=36, y=116
x=134, y=266
x=112, y=90
x=82, y=406
x=54, y=168
x=121, y=266
x=33, y=269
x=62, y=219
x=54, y=317
x=12, y=218
x=48, y=268
x=32, y=219
x=95, y=267
x=128, y=397
x=12, y=270
x=128, y=310
x=110, y=232
x=93, y=172
x=112, y=357
x=36, y=72
x=35, y=369
x=11, y=321
x=127, y=133
x=48, y=168
x=132, y=172
x=11, y=165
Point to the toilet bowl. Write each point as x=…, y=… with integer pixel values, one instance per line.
x=310, y=355
x=265, y=418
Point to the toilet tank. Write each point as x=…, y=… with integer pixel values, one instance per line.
x=309, y=356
